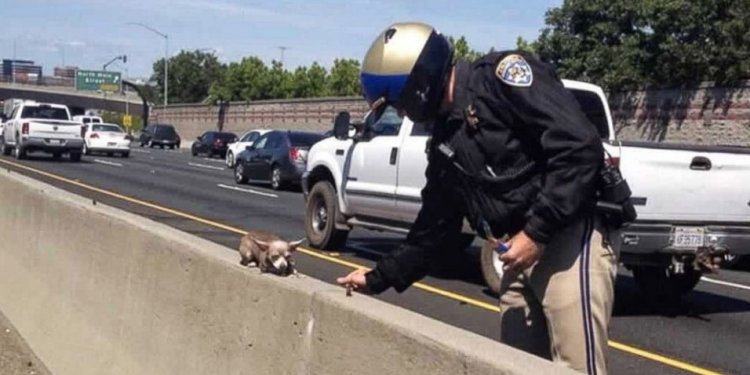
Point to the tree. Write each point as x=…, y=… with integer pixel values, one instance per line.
x=191, y=74
x=150, y=93
x=279, y=82
x=344, y=78
x=462, y=50
x=626, y=43
x=308, y=83
x=524, y=45
x=596, y=41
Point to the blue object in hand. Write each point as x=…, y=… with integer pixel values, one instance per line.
x=501, y=248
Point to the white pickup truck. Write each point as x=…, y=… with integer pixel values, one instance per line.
x=43, y=127
x=693, y=203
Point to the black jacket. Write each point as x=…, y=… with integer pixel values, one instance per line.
x=529, y=160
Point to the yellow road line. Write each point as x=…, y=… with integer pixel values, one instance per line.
x=468, y=300
x=662, y=359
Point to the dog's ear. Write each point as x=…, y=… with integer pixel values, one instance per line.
x=261, y=244
x=293, y=245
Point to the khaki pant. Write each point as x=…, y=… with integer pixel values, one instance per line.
x=560, y=308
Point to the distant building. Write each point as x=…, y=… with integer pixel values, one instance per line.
x=22, y=71
x=66, y=71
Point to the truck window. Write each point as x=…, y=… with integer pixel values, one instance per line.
x=389, y=123
x=593, y=107
x=45, y=112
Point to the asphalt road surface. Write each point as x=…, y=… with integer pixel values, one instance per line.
x=708, y=333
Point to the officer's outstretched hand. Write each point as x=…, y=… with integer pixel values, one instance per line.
x=523, y=252
x=355, y=279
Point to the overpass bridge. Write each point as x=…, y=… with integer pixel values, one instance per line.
x=77, y=101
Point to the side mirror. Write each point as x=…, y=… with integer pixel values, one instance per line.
x=3, y=118
x=198, y=138
x=341, y=125
x=250, y=148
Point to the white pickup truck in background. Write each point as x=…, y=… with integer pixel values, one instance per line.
x=42, y=127
x=693, y=203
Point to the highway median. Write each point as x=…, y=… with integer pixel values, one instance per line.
x=96, y=290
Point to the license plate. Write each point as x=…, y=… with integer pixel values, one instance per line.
x=112, y=144
x=688, y=237
x=54, y=141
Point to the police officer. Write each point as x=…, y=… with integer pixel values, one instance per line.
x=512, y=152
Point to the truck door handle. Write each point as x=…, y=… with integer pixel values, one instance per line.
x=700, y=163
x=394, y=154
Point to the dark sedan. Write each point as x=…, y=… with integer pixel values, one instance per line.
x=278, y=157
x=213, y=143
x=162, y=135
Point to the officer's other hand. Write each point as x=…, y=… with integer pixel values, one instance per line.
x=523, y=252
x=355, y=279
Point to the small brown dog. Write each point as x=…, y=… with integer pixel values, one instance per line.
x=269, y=252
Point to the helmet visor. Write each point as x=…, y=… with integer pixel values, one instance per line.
x=424, y=88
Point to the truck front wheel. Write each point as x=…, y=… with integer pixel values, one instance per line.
x=320, y=218
x=663, y=285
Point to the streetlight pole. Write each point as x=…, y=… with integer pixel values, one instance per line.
x=166, y=57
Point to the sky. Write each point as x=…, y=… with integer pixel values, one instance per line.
x=89, y=33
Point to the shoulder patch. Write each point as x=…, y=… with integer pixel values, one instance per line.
x=515, y=71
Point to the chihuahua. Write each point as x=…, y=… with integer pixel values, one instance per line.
x=268, y=252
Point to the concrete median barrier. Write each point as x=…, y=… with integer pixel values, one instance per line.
x=96, y=290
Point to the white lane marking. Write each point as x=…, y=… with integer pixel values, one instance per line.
x=251, y=191
x=205, y=166
x=141, y=151
x=215, y=160
x=107, y=163
x=725, y=283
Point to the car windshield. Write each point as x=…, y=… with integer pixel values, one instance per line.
x=107, y=128
x=304, y=139
x=165, y=131
x=45, y=112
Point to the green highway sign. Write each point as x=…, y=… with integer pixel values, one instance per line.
x=96, y=80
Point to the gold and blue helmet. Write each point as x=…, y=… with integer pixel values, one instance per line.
x=407, y=66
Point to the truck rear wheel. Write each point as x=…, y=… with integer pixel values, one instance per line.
x=320, y=218
x=75, y=156
x=664, y=285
